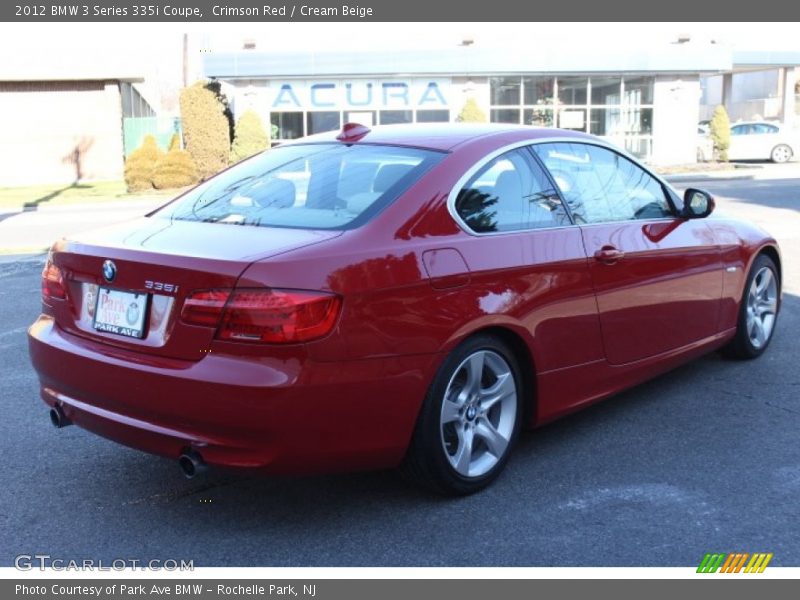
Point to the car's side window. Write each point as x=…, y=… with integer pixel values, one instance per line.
x=764, y=128
x=510, y=193
x=740, y=130
x=600, y=185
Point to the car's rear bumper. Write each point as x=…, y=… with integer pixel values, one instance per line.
x=280, y=416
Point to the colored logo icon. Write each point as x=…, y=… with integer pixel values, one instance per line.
x=736, y=562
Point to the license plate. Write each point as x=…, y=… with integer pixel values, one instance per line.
x=121, y=313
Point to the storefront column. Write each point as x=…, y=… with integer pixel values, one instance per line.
x=676, y=110
x=789, y=77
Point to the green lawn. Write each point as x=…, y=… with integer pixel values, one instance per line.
x=79, y=193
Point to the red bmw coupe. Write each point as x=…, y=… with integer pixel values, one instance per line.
x=404, y=296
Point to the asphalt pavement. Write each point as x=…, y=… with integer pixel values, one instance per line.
x=703, y=459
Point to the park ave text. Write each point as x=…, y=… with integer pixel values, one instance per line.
x=169, y=589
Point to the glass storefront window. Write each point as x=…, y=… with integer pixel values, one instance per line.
x=606, y=90
x=319, y=122
x=572, y=90
x=640, y=147
x=537, y=90
x=711, y=90
x=433, y=116
x=609, y=106
x=605, y=121
x=363, y=117
x=572, y=118
x=639, y=90
x=505, y=115
x=289, y=125
x=390, y=117
x=539, y=117
x=505, y=91
x=638, y=121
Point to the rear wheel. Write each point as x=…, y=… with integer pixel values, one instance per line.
x=758, y=311
x=470, y=419
x=781, y=153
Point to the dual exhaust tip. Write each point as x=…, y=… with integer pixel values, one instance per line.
x=58, y=418
x=190, y=462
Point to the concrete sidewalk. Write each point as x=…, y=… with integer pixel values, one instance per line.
x=752, y=170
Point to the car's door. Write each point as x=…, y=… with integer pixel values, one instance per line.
x=526, y=259
x=741, y=147
x=763, y=138
x=657, y=277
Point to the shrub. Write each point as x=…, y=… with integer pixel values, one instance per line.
x=206, y=128
x=140, y=165
x=174, y=142
x=720, y=131
x=249, y=138
x=471, y=113
x=174, y=169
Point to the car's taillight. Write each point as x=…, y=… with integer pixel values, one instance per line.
x=204, y=307
x=269, y=316
x=52, y=282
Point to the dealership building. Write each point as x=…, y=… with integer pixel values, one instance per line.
x=648, y=101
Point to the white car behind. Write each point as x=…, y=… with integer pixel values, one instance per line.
x=756, y=140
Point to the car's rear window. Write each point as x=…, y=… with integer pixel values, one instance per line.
x=314, y=186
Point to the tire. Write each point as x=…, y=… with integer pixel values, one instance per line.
x=758, y=311
x=781, y=153
x=470, y=419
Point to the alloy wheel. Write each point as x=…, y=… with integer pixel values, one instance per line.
x=478, y=413
x=781, y=154
x=762, y=305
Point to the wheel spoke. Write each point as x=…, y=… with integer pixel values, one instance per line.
x=760, y=334
x=450, y=411
x=768, y=306
x=503, y=388
x=763, y=281
x=752, y=297
x=463, y=456
x=474, y=372
x=496, y=443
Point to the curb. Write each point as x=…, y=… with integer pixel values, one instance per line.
x=148, y=203
x=681, y=177
x=22, y=255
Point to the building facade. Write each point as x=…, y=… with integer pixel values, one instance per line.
x=648, y=101
x=64, y=130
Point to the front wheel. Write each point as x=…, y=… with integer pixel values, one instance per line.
x=781, y=153
x=758, y=311
x=470, y=419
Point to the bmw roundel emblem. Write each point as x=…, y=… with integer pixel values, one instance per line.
x=109, y=270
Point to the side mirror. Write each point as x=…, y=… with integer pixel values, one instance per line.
x=697, y=204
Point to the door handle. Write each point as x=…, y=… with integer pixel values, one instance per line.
x=609, y=255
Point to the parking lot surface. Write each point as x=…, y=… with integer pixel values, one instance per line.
x=703, y=459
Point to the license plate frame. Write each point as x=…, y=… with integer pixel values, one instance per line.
x=128, y=318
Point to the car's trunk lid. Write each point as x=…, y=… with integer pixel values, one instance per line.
x=157, y=263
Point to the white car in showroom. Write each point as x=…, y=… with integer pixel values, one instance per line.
x=756, y=140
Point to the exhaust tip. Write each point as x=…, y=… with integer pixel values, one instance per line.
x=58, y=418
x=191, y=464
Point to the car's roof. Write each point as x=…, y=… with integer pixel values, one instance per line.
x=444, y=136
